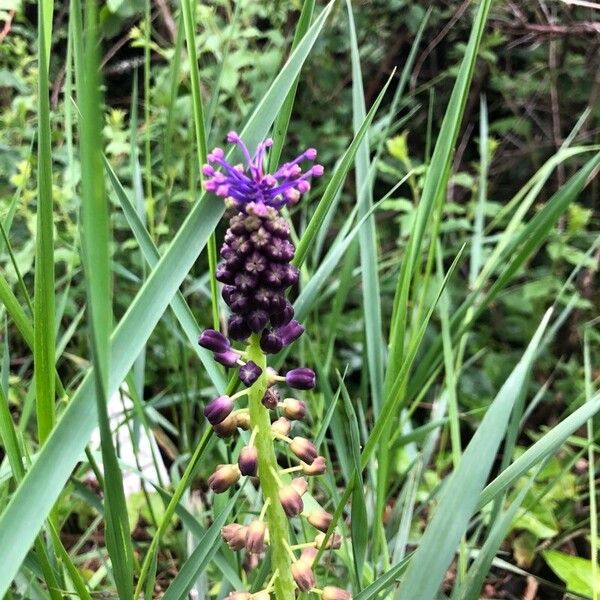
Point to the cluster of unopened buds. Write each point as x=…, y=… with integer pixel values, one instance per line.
x=255, y=272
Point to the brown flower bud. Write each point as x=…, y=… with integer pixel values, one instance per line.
x=248, y=461
x=320, y=519
x=223, y=478
x=262, y=595
x=271, y=398
x=304, y=449
x=234, y=535
x=309, y=555
x=335, y=593
x=251, y=562
x=239, y=596
x=242, y=420
x=335, y=541
x=227, y=426
x=291, y=501
x=255, y=537
x=303, y=575
x=281, y=426
x=318, y=466
x=293, y=409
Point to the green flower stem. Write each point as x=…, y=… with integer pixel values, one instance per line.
x=276, y=519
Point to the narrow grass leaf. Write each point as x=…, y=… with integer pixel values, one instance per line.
x=43, y=351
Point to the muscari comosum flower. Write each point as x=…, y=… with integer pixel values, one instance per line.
x=256, y=270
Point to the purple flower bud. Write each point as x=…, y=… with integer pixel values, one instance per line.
x=290, y=333
x=291, y=276
x=239, y=303
x=237, y=328
x=245, y=282
x=257, y=319
x=320, y=519
x=270, y=342
x=291, y=501
x=249, y=373
x=224, y=274
x=318, y=466
x=278, y=303
x=223, y=478
x=227, y=292
x=301, y=378
x=335, y=541
x=281, y=426
x=248, y=461
x=255, y=537
x=234, y=535
x=293, y=409
x=255, y=263
x=283, y=317
x=214, y=341
x=275, y=275
x=335, y=593
x=304, y=449
x=303, y=575
x=271, y=398
x=227, y=359
x=218, y=409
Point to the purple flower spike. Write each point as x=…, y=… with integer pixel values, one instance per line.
x=249, y=373
x=301, y=379
x=290, y=333
x=227, y=359
x=214, y=341
x=218, y=409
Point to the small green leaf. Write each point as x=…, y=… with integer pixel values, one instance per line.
x=576, y=572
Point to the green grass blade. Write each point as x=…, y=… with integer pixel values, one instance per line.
x=201, y=150
x=359, y=523
x=459, y=496
x=43, y=352
x=96, y=253
x=367, y=235
x=282, y=121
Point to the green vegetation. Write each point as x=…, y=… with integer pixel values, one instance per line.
x=448, y=263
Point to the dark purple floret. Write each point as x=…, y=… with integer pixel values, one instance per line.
x=283, y=317
x=238, y=330
x=270, y=342
x=214, y=341
x=218, y=409
x=227, y=359
x=257, y=320
x=301, y=378
x=290, y=333
x=249, y=373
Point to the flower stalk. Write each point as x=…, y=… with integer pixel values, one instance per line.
x=277, y=522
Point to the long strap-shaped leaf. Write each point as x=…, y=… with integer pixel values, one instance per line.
x=42, y=485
